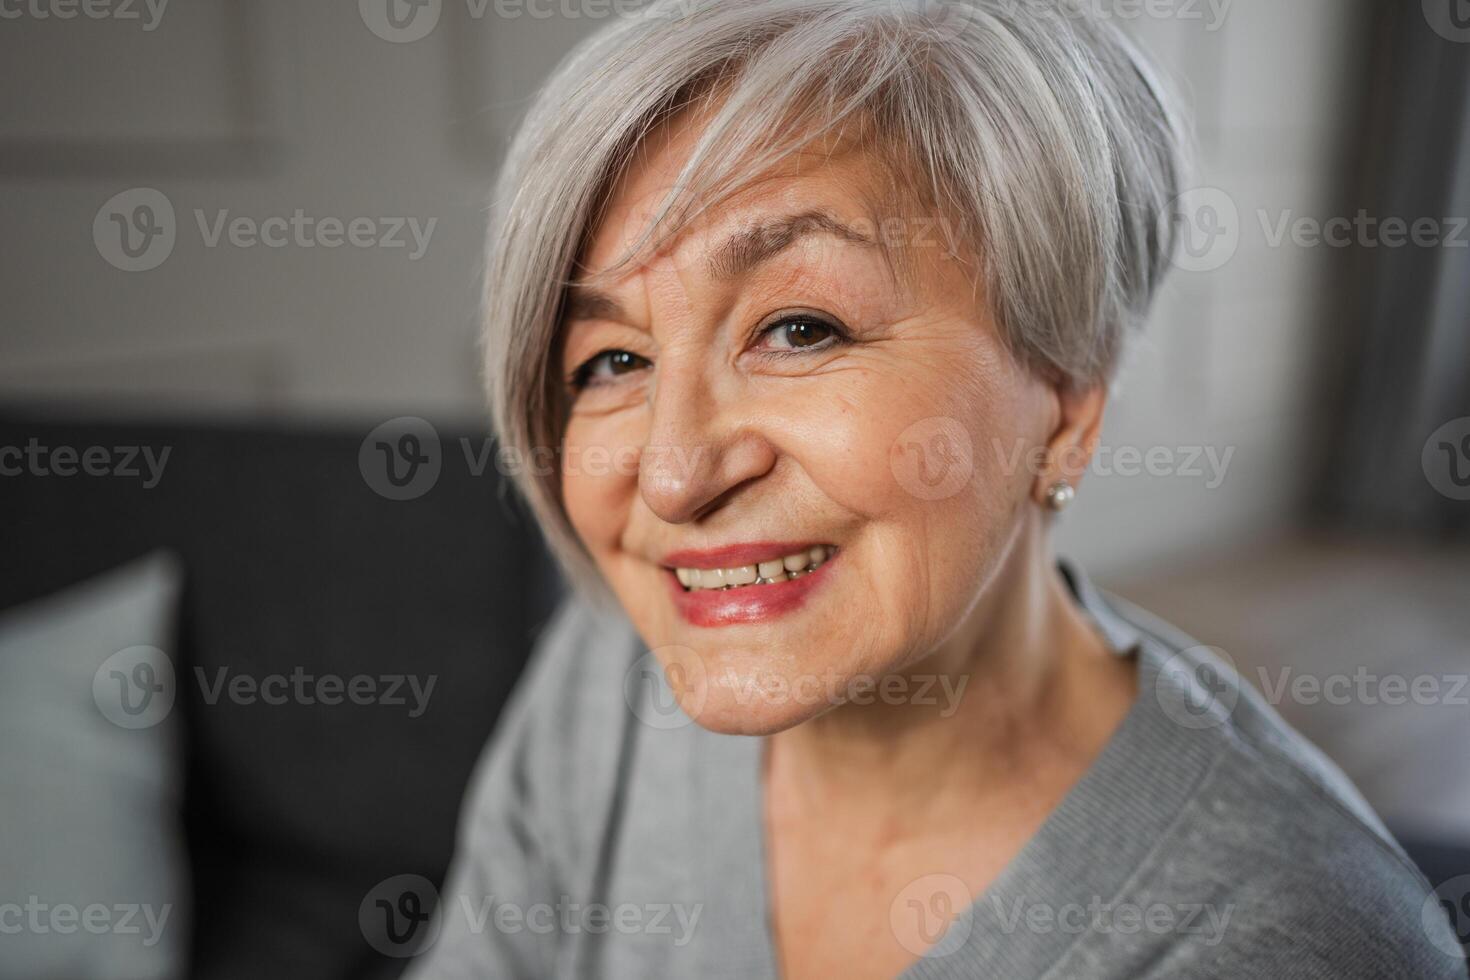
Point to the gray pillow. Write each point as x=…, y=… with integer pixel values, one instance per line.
x=93, y=879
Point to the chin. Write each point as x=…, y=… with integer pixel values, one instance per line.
x=759, y=688
x=720, y=710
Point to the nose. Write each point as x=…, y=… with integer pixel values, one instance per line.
x=700, y=448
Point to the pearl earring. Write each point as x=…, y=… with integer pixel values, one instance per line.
x=1060, y=494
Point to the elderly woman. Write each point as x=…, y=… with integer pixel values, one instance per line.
x=801, y=316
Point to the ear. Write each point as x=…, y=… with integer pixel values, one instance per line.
x=1074, y=436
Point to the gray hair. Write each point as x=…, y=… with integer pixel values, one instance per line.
x=1034, y=126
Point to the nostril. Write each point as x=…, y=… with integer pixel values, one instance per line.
x=684, y=480
x=674, y=494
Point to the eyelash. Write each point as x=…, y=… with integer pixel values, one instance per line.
x=838, y=334
x=581, y=377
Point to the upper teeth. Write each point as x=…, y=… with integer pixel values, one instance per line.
x=765, y=573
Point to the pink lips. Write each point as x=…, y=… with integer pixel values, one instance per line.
x=748, y=604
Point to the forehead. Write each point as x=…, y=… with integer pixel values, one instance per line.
x=835, y=177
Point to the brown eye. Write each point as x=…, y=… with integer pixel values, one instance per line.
x=607, y=366
x=800, y=333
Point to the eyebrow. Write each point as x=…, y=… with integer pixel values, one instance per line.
x=748, y=248
x=587, y=303
x=736, y=256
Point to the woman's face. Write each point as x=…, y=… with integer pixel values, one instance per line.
x=770, y=395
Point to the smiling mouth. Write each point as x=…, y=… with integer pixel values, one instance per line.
x=771, y=572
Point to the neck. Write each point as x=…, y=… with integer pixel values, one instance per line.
x=1025, y=683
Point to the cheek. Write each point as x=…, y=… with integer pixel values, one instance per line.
x=930, y=463
x=599, y=477
x=947, y=449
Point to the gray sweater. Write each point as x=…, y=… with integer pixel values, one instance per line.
x=1207, y=840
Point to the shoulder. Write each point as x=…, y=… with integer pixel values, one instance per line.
x=1315, y=877
x=1309, y=875
x=1312, y=882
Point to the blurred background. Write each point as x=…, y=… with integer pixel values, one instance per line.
x=242, y=438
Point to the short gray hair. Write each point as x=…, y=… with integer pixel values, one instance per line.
x=1033, y=125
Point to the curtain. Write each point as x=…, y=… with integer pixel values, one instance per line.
x=1399, y=431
